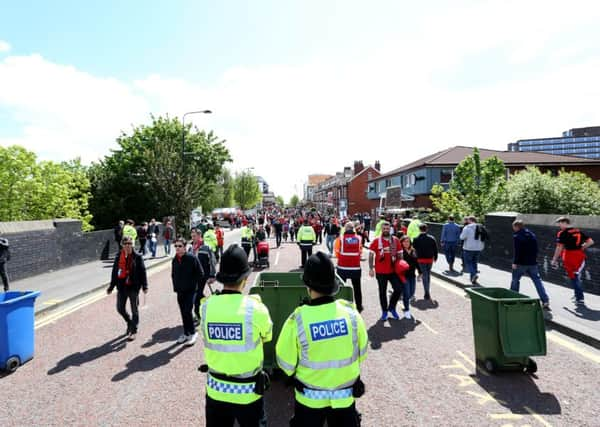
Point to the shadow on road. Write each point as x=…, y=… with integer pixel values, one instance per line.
x=584, y=312
x=279, y=402
x=163, y=335
x=79, y=358
x=143, y=363
x=424, y=304
x=390, y=330
x=519, y=393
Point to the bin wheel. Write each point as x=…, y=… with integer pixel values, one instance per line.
x=489, y=365
x=12, y=364
x=531, y=367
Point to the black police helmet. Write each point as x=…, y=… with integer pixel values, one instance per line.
x=234, y=265
x=319, y=274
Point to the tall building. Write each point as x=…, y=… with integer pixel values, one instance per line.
x=580, y=142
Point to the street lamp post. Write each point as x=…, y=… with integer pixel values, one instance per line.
x=183, y=131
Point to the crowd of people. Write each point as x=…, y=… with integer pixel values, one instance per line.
x=323, y=342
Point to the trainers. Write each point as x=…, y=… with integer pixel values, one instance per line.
x=192, y=339
x=580, y=301
x=474, y=280
x=546, y=306
x=131, y=336
x=395, y=314
x=427, y=296
x=183, y=338
x=407, y=315
x=384, y=316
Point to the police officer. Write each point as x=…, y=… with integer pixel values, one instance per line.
x=322, y=345
x=234, y=327
x=306, y=239
x=247, y=237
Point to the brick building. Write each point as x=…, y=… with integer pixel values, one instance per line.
x=358, y=186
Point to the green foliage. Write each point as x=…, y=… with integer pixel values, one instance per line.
x=573, y=193
x=31, y=190
x=294, y=201
x=147, y=177
x=477, y=188
x=279, y=201
x=246, y=190
x=446, y=203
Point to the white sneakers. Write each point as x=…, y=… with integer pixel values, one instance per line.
x=407, y=315
x=188, y=339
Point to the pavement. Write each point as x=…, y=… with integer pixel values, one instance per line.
x=581, y=322
x=418, y=372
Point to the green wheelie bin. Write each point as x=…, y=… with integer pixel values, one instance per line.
x=508, y=328
x=282, y=293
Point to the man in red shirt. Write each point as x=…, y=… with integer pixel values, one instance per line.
x=385, y=250
x=347, y=249
x=570, y=246
x=220, y=242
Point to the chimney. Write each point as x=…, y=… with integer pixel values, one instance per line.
x=347, y=172
x=358, y=167
x=378, y=165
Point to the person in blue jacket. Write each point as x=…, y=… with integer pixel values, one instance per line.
x=449, y=240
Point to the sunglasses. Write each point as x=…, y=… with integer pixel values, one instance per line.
x=179, y=246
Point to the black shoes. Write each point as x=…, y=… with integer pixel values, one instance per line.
x=427, y=296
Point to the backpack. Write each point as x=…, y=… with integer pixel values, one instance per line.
x=481, y=233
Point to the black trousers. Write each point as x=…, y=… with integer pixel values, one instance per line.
x=143, y=246
x=186, y=305
x=199, y=295
x=224, y=414
x=247, y=248
x=319, y=238
x=305, y=252
x=310, y=417
x=4, y=275
x=278, y=238
x=354, y=276
x=133, y=295
x=382, y=281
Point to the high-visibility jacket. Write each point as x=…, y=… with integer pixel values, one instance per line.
x=413, y=229
x=306, y=235
x=130, y=231
x=348, y=249
x=210, y=239
x=323, y=344
x=378, y=228
x=247, y=234
x=234, y=327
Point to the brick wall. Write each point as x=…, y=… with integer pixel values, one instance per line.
x=499, y=250
x=357, y=193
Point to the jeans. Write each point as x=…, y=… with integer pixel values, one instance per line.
x=426, y=276
x=131, y=294
x=219, y=253
x=143, y=246
x=382, y=280
x=199, y=295
x=576, y=281
x=168, y=247
x=450, y=252
x=534, y=273
x=470, y=259
x=152, y=248
x=354, y=276
x=224, y=414
x=412, y=284
x=335, y=417
x=4, y=275
x=319, y=238
x=186, y=305
x=278, y=238
x=329, y=242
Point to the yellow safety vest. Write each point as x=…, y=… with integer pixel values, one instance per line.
x=306, y=234
x=210, y=238
x=130, y=231
x=247, y=233
x=234, y=327
x=323, y=346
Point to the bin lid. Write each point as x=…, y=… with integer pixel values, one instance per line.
x=521, y=328
x=497, y=294
x=14, y=297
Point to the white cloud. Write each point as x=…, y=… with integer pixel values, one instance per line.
x=4, y=46
x=288, y=121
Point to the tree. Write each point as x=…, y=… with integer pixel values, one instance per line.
x=294, y=201
x=574, y=193
x=228, y=191
x=477, y=187
x=279, y=201
x=31, y=190
x=147, y=176
x=246, y=190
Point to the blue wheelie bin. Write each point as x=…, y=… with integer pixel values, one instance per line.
x=16, y=328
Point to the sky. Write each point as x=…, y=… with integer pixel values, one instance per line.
x=298, y=87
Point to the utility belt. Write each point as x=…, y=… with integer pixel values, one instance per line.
x=258, y=383
x=305, y=243
x=356, y=390
x=246, y=241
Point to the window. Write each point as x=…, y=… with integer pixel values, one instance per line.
x=446, y=176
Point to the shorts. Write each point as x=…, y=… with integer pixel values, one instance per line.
x=573, y=262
